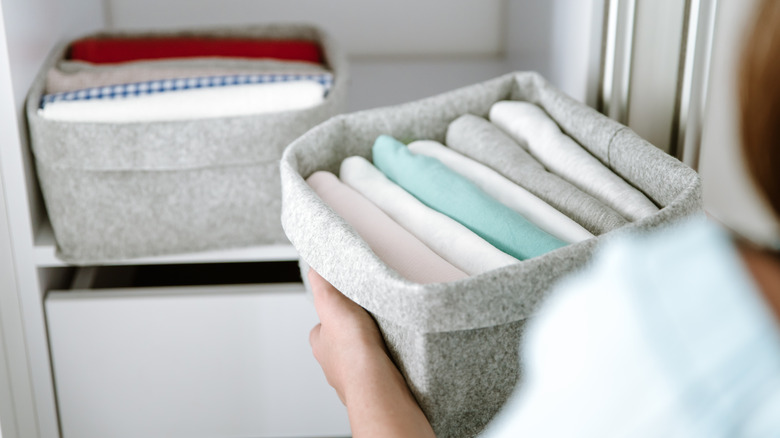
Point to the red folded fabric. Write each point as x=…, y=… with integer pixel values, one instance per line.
x=113, y=50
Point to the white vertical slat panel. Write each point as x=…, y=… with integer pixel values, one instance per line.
x=656, y=63
x=14, y=372
x=576, y=47
x=362, y=27
x=30, y=29
x=695, y=75
x=619, y=31
x=17, y=407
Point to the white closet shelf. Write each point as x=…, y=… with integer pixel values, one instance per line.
x=46, y=248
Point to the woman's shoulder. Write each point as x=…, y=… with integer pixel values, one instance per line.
x=683, y=285
x=658, y=327
x=690, y=268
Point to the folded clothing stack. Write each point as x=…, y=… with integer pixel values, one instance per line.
x=463, y=216
x=455, y=338
x=166, y=142
x=142, y=79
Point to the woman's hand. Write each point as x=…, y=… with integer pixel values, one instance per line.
x=346, y=336
x=350, y=350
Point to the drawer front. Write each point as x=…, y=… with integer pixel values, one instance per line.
x=189, y=362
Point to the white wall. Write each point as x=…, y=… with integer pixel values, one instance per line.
x=362, y=27
x=406, y=49
x=561, y=39
x=729, y=194
x=381, y=82
x=399, y=51
x=529, y=35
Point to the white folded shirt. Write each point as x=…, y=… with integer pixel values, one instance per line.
x=448, y=238
x=534, y=209
x=530, y=126
x=183, y=104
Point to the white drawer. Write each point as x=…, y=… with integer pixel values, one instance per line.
x=201, y=361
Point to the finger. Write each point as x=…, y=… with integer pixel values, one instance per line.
x=331, y=305
x=314, y=339
x=314, y=277
x=314, y=334
x=322, y=285
x=318, y=291
x=328, y=301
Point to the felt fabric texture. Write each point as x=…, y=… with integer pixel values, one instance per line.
x=448, y=192
x=115, y=191
x=483, y=316
x=188, y=104
x=78, y=75
x=99, y=216
x=506, y=192
x=391, y=242
x=530, y=126
x=477, y=138
x=448, y=238
x=118, y=49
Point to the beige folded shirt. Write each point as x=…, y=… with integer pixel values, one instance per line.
x=398, y=248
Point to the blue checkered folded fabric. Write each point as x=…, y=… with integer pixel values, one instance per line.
x=180, y=84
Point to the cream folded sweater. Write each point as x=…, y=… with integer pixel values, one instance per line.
x=195, y=103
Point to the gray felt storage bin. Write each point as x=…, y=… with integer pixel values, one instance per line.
x=457, y=343
x=123, y=190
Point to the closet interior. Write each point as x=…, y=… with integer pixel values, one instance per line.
x=216, y=342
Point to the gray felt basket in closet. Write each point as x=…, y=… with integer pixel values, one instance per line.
x=122, y=190
x=457, y=343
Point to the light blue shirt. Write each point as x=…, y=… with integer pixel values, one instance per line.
x=449, y=193
x=663, y=336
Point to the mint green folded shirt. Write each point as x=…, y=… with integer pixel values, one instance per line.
x=440, y=188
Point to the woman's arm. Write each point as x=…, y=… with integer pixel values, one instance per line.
x=350, y=350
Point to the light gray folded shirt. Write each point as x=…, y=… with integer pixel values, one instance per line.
x=481, y=140
x=531, y=207
x=530, y=126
